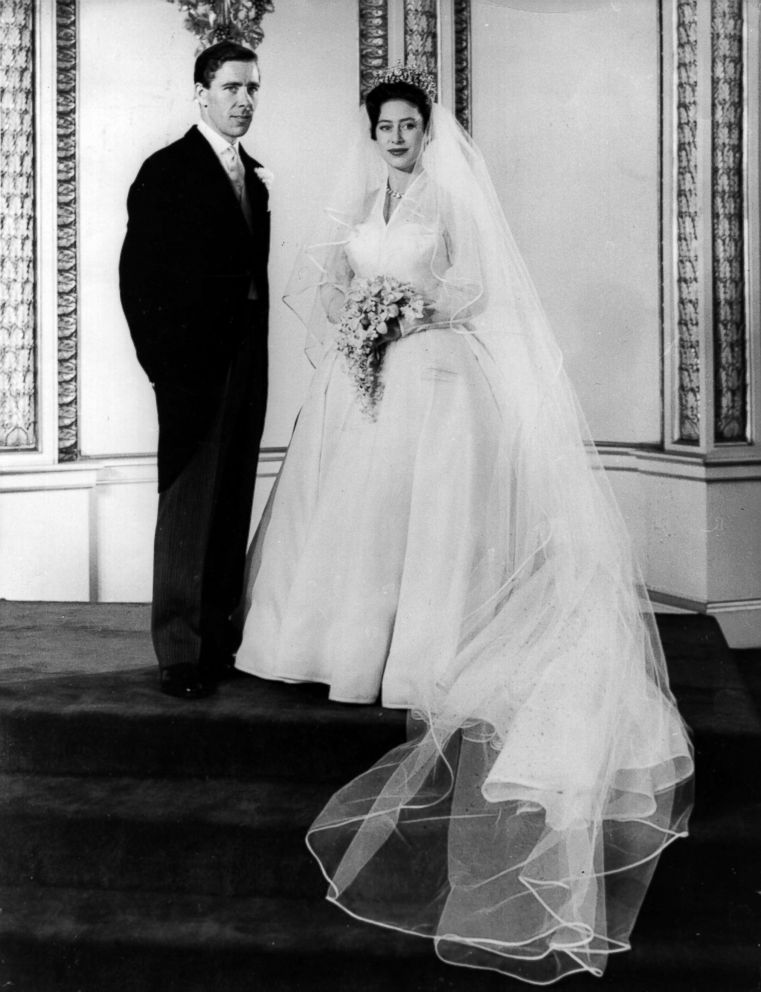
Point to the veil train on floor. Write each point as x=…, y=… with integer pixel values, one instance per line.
x=546, y=765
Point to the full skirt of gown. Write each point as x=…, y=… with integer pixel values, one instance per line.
x=434, y=556
x=369, y=574
x=365, y=563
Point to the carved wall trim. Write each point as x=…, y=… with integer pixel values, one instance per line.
x=18, y=249
x=421, y=43
x=225, y=20
x=421, y=34
x=373, y=40
x=68, y=318
x=687, y=216
x=462, y=34
x=730, y=345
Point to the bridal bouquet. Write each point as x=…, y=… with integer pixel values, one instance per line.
x=369, y=306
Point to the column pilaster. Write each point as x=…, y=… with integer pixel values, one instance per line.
x=711, y=377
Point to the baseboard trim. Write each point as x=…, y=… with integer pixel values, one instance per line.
x=739, y=619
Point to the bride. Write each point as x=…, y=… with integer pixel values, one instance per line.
x=444, y=539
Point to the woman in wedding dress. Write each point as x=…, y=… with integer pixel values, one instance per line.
x=453, y=549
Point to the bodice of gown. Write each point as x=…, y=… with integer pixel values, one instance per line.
x=400, y=248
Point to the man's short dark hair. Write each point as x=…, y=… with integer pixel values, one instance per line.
x=209, y=61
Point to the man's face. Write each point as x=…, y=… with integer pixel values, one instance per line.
x=230, y=100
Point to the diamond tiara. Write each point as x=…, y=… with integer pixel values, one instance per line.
x=413, y=73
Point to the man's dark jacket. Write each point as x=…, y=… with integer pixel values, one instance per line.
x=187, y=263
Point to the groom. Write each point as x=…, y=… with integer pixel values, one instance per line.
x=193, y=278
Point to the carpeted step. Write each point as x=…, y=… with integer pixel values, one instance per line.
x=94, y=941
x=220, y=837
x=65, y=940
x=224, y=837
x=149, y=843
x=118, y=723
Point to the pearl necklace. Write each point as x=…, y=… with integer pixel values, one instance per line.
x=393, y=192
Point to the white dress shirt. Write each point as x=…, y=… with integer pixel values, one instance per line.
x=220, y=146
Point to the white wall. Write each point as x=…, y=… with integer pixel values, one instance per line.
x=309, y=62
x=566, y=112
x=45, y=538
x=136, y=95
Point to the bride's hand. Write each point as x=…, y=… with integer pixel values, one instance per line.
x=393, y=333
x=409, y=325
x=401, y=327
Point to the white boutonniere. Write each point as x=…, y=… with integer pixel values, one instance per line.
x=266, y=177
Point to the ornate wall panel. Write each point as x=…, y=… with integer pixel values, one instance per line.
x=66, y=125
x=421, y=29
x=687, y=212
x=728, y=179
x=18, y=323
x=373, y=40
x=462, y=108
x=421, y=33
x=710, y=223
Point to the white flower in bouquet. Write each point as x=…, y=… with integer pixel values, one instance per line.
x=362, y=332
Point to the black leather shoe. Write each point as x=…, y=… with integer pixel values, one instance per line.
x=186, y=681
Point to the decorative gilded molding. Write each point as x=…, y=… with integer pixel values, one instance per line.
x=687, y=216
x=421, y=34
x=18, y=248
x=225, y=20
x=730, y=345
x=420, y=44
x=373, y=41
x=67, y=274
x=462, y=34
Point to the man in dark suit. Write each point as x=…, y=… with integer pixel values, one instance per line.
x=193, y=277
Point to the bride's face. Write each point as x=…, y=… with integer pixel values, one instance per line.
x=400, y=134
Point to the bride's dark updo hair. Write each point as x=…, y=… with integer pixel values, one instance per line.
x=401, y=90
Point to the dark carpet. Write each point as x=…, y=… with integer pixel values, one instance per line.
x=151, y=844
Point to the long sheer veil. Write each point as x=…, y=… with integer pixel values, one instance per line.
x=546, y=765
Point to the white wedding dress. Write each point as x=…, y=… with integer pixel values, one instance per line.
x=368, y=550
x=460, y=555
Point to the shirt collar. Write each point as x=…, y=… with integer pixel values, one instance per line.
x=217, y=142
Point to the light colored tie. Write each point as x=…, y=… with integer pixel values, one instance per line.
x=237, y=175
x=235, y=170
